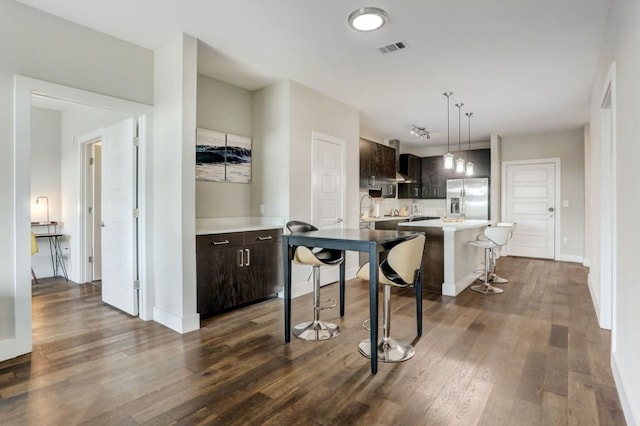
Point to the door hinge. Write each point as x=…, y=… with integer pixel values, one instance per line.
x=136, y=284
x=91, y=160
x=136, y=212
x=136, y=141
x=90, y=210
x=90, y=259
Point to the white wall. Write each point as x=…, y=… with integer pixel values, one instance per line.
x=271, y=155
x=285, y=115
x=309, y=111
x=174, y=214
x=44, y=47
x=569, y=147
x=622, y=45
x=227, y=109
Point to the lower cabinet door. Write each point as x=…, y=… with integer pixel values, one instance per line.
x=217, y=260
x=261, y=275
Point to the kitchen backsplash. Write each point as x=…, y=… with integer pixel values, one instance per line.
x=436, y=208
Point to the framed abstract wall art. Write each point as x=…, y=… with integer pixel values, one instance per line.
x=222, y=157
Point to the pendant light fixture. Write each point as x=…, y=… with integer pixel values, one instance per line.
x=469, y=163
x=459, y=160
x=448, y=157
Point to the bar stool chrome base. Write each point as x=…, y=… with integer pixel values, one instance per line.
x=494, y=279
x=316, y=330
x=486, y=289
x=391, y=350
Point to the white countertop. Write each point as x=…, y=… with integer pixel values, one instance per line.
x=447, y=226
x=382, y=218
x=221, y=225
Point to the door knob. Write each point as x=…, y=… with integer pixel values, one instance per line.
x=102, y=224
x=551, y=209
x=339, y=220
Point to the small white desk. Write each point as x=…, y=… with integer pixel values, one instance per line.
x=57, y=261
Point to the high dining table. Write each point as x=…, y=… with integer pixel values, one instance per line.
x=360, y=240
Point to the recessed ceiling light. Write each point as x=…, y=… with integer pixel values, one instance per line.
x=367, y=19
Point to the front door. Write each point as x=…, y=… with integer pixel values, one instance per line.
x=119, y=248
x=327, y=180
x=530, y=202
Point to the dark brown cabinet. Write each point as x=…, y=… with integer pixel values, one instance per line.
x=378, y=167
x=411, y=167
x=434, y=178
x=434, y=175
x=237, y=268
x=481, y=159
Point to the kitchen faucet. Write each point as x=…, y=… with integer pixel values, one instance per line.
x=361, y=200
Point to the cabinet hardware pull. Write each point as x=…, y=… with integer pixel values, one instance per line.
x=218, y=243
x=241, y=258
x=248, y=258
x=269, y=237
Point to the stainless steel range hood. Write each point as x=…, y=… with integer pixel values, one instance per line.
x=395, y=143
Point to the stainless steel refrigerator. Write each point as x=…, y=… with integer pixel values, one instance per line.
x=468, y=198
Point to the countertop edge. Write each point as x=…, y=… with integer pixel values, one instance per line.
x=446, y=226
x=236, y=228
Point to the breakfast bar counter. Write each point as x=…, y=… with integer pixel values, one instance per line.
x=449, y=262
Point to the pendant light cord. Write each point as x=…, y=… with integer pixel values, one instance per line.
x=469, y=115
x=448, y=95
x=459, y=127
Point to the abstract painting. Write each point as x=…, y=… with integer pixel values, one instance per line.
x=222, y=157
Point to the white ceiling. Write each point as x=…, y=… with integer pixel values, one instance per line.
x=522, y=66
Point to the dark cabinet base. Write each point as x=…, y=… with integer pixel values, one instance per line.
x=432, y=270
x=237, y=269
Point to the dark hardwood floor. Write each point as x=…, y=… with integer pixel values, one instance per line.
x=533, y=355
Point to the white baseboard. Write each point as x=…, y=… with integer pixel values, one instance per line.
x=180, y=324
x=11, y=348
x=461, y=284
x=630, y=412
x=594, y=299
x=569, y=258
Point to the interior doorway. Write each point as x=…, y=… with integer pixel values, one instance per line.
x=25, y=88
x=93, y=210
x=606, y=251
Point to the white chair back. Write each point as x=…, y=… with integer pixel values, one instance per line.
x=499, y=235
x=406, y=257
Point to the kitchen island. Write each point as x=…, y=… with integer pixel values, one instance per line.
x=448, y=262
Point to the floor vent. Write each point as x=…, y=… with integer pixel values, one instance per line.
x=393, y=47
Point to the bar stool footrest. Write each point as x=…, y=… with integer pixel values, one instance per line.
x=332, y=304
x=316, y=330
x=390, y=350
x=486, y=289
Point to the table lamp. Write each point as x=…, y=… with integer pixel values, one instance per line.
x=43, y=197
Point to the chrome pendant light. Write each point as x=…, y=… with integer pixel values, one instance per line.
x=459, y=160
x=469, y=163
x=448, y=157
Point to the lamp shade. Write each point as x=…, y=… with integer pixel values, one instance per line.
x=448, y=161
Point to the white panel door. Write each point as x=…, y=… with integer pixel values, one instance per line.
x=328, y=189
x=530, y=202
x=119, y=249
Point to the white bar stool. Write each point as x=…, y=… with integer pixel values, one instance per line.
x=401, y=268
x=316, y=329
x=493, y=277
x=492, y=238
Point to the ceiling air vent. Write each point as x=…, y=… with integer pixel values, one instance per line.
x=393, y=47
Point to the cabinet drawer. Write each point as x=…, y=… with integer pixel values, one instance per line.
x=266, y=236
x=218, y=241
